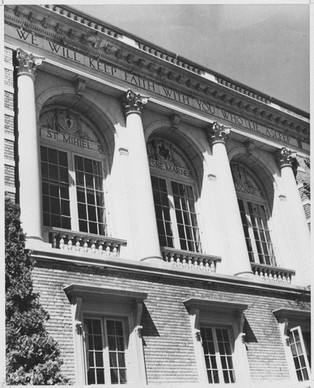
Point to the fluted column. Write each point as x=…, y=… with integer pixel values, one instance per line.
x=298, y=229
x=236, y=259
x=143, y=240
x=28, y=144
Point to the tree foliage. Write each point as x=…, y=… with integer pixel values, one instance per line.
x=32, y=356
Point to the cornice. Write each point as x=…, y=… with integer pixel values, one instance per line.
x=73, y=29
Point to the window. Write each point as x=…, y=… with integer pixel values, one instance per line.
x=176, y=215
x=295, y=327
x=218, y=355
x=72, y=174
x=105, y=351
x=254, y=216
x=174, y=198
x=300, y=349
x=217, y=330
x=107, y=337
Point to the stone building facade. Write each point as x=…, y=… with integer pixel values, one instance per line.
x=167, y=208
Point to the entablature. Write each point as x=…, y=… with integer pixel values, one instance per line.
x=77, y=31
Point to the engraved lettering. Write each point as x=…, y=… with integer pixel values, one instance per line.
x=22, y=34
x=54, y=47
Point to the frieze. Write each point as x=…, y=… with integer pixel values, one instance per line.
x=199, y=104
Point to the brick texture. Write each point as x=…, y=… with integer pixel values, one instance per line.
x=9, y=176
x=9, y=125
x=168, y=347
x=8, y=100
x=9, y=149
x=8, y=77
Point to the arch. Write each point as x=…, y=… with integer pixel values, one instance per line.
x=261, y=165
x=89, y=104
x=193, y=149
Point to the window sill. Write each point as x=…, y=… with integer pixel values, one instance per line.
x=190, y=260
x=273, y=274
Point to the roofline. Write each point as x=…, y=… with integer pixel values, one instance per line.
x=202, y=68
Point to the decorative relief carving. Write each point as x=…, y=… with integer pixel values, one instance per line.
x=285, y=157
x=27, y=62
x=133, y=102
x=217, y=133
x=67, y=127
x=161, y=155
x=175, y=121
x=243, y=182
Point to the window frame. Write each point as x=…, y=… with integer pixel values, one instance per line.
x=72, y=152
x=106, y=358
x=306, y=368
x=169, y=178
x=218, y=355
x=288, y=319
x=247, y=198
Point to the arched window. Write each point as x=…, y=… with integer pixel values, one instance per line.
x=255, y=216
x=174, y=197
x=72, y=165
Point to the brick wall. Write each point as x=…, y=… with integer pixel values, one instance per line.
x=9, y=117
x=168, y=346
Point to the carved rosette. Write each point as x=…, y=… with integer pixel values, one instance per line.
x=133, y=102
x=284, y=157
x=217, y=133
x=27, y=62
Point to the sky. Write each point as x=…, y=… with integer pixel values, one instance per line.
x=264, y=46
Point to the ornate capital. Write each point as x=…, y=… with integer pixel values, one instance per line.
x=217, y=133
x=27, y=62
x=284, y=157
x=133, y=102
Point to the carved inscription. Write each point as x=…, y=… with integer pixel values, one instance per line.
x=110, y=70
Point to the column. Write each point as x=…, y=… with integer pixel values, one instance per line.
x=235, y=260
x=143, y=241
x=297, y=226
x=28, y=145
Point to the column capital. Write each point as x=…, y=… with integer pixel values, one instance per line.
x=27, y=62
x=217, y=133
x=133, y=102
x=284, y=157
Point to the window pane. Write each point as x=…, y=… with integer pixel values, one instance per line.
x=94, y=347
x=116, y=351
x=162, y=211
x=299, y=354
x=56, y=208
x=186, y=217
x=87, y=172
x=217, y=346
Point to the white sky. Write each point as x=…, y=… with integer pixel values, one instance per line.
x=264, y=46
